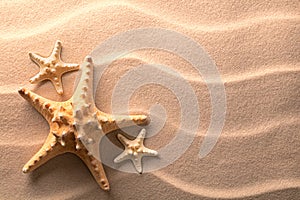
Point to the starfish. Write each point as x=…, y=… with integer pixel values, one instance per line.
x=134, y=150
x=64, y=135
x=52, y=68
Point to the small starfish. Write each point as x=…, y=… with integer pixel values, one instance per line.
x=52, y=67
x=134, y=150
x=64, y=135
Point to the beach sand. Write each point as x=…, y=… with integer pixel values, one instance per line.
x=255, y=46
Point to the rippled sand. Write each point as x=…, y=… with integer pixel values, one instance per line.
x=254, y=46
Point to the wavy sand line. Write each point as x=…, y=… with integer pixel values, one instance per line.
x=265, y=128
x=276, y=70
x=213, y=193
x=256, y=75
x=88, y=192
x=66, y=17
x=265, y=70
x=255, y=189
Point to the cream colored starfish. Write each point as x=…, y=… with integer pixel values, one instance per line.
x=134, y=150
x=52, y=68
x=64, y=136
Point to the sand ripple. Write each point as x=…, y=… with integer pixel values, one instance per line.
x=64, y=18
x=245, y=191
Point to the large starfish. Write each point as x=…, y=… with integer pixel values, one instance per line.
x=134, y=150
x=52, y=67
x=64, y=134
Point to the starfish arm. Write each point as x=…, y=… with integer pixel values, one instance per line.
x=42, y=105
x=123, y=140
x=149, y=152
x=141, y=135
x=56, y=50
x=113, y=122
x=123, y=156
x=58, y=85
x=36, y=58
x=82, y=99
x=39, y=77
x=49, y=150
x=70, y=67
x=137, y=162
x=96, y=169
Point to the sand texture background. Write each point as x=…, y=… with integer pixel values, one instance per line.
x=256, y=47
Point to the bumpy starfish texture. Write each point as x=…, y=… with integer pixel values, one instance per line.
x=52, y=68
x=64, y=135
x=134, y=150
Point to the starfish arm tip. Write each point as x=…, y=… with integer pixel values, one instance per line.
x=25, y=169
x=21, y=90
x=152, y=152
x=58, y=87
x=145, y=118
x=122, y=138
x=138, y=166
x=142, y=134
x=34, y=79
x=57, y=46
x=116, y=160
x=58, y=42
x=36, y=58
x=119, y=158
x=88, y=59
x=60, y=92
x=31, y=55
x=107, y=188
x=140, y=119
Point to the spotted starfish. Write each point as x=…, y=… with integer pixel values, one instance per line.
x=52, y=68
x=134, y=150
x=64, y=135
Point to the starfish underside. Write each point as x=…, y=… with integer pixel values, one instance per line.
x=52, y=67
x=64, y=135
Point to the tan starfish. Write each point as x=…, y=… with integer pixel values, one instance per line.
x=134, y=150
x=52, y=68
x=64, y=136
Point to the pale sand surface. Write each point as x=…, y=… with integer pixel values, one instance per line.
x=256, y=48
